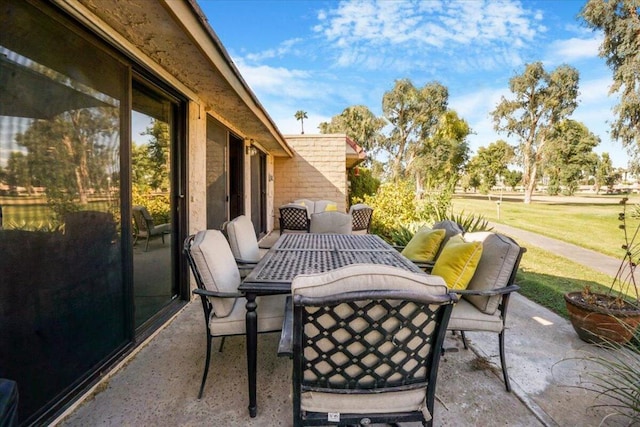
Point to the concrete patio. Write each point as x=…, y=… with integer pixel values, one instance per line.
x=158, y=386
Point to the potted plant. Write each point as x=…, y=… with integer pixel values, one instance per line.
x=611, y=316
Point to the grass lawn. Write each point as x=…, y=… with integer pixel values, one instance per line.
x=589, y=222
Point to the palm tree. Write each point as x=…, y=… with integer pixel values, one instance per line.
x=301, y=115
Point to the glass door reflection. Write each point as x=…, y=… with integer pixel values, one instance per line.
x=152, y=135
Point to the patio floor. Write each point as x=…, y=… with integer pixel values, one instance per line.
x=159, y=385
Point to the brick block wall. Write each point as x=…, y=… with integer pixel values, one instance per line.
x=317, y=171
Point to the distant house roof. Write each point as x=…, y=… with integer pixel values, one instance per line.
x=355, y=153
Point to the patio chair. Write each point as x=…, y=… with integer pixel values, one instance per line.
x=361, y=216
x=294, y=217
x=366, y=344
x=243, y=242
x=146, y=228
x=483, y=304
x=218, y=278
x=330, y=222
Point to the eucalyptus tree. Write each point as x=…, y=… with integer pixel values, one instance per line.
x=540, y=100
x=76, y=156
x=300, y=116
x=490, y=162
x=605, y=175
x=569, y=154
x=360, y=124
x=413, y=114
x=439, y=158
x=619, y=21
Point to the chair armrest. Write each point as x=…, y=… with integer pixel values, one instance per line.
x=245, y=262
x=285, y=346
x=427, y=266
x=208, y=293
x=488, y=293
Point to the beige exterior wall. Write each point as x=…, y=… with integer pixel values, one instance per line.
x=317, y=171
x=197, y=158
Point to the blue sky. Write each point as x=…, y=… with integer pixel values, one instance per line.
x=323, y=56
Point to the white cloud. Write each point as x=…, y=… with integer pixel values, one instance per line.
x=415, y=28
x=573, y=49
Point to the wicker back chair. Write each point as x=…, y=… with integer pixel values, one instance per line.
x=367, y=341
x=361, y=216
x=294, y=217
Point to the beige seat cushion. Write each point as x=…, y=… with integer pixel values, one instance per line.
x=217, y=266
x=410, y=400
x=364, y=277
x=451, y=229
x=499, y=255
x=466, y=317
x=270, y=316
x=324, y=206
x=331, y=222
x=309, y=204
x=242, y=239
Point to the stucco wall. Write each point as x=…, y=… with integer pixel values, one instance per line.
x=197, y=194
x=317, y=171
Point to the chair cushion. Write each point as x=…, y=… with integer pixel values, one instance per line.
x=331, y=222
x=466, y=317
x=364, y=277
x=457, y=262
x=242, y=239
x=424, y=245
x=270, y=316
x=451, y=229
x=309, y=204
x=499, y=255
x=324, y=205
x=409, y=400
x=217, y=266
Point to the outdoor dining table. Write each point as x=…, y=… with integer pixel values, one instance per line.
x=303, y=253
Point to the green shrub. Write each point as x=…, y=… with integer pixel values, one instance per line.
x=394, y=205
x=362, y=185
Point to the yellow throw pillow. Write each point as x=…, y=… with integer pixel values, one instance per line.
x=331, y=207
x=457, y=262
x=424, y=245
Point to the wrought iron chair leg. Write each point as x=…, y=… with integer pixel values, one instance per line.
x=146, y=247
x=206, y=366
x=221, y=344
x=503, y=362
x=464, y=340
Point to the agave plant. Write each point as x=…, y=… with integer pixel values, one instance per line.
x=470, y=222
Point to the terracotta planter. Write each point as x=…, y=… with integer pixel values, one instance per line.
x=595, y=323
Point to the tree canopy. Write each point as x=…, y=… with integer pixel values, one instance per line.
x=540, y=100
x=413, y=113
x=491, y=162
x=620, y=23
x=360, y=124
x=569, y=155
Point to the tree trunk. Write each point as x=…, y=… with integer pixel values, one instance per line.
x=531, y=184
